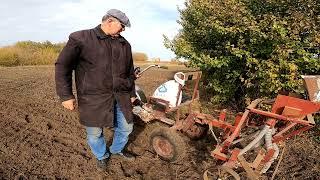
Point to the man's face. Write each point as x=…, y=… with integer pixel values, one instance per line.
x=115, y=27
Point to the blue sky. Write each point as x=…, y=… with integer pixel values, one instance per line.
x=54, y=20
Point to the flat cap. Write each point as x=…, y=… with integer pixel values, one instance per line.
x=120, y=16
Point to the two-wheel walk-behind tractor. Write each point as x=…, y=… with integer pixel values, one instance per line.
x=253, y=135
x=164, y=106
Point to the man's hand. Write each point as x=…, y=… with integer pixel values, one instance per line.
x=138, y=75
x=133, y=99
x=69, y=104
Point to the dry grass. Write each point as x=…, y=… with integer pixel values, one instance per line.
x=29, y=53
x=141, y=57
x=163, y=63
x=45, y=53
x=9, y=56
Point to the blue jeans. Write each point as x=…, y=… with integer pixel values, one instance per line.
x=97, y=142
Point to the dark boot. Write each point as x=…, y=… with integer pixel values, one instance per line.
x=102, y=164
x=124, y=156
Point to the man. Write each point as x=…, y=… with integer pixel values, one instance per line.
x=104, y=78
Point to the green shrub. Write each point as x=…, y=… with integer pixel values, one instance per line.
x=248, y=49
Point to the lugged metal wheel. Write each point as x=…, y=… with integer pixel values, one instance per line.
x=168, y=144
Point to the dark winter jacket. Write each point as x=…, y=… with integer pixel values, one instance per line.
x=104, y=74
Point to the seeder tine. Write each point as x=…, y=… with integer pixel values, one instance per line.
x=310, y=119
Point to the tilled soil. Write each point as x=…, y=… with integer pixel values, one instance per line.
x=41, y=140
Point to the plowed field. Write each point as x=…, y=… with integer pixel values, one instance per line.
x=41, y=140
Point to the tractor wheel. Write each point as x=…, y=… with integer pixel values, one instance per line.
x=168, y=144
x=197, y=131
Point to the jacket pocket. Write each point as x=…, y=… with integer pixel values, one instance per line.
x=82, y=89
x=93, y=82
x=80, y=81
x=124, y=84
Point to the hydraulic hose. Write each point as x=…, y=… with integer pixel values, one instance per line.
x=266, y=132
x=268, y=139
x=255, y=141
x=249, y=136
x=270, y=145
